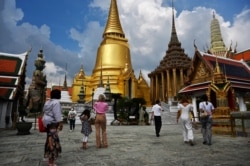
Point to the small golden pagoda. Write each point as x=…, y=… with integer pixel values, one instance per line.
x=113, y=65
x=221, y=90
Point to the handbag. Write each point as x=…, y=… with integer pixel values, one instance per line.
x=92, y=115
x=204, y=114
x=41, y=127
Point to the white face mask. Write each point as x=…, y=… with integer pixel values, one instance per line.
x=53, y=131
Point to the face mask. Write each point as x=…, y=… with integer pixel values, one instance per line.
x=53, y=131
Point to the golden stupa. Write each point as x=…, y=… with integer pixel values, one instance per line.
x=217, y=44
x=113, y=65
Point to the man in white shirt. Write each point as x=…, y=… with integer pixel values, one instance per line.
x=206, y=121
x=156, y=115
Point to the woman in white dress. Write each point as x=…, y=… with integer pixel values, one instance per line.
x=184, y=110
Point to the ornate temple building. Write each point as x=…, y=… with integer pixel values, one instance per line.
x=215, y=72
x=225, y=80
x=113, y=65
x=169, y=77
x=12, y=84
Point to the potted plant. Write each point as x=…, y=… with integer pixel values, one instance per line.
x=65, y=116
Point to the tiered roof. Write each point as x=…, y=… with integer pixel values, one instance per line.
x=175, y=56
x=12, y=74
x=235, y=71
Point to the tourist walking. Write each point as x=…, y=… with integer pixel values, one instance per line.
x=156, y=116
x=101, y=107
x=86, y=127
x=208, y=107
x=184, y=110
x=52, y=119
x=72, y=119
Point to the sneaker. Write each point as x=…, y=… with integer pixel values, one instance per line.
x=191, y=143
x=204, y=142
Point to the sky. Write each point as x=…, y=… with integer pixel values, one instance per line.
x=70, y=31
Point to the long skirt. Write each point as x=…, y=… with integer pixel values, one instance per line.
x=52, y=147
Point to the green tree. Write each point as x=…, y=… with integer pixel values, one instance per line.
x=115, y=96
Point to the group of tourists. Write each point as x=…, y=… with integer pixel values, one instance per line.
x=187, y=123
x=52, y=120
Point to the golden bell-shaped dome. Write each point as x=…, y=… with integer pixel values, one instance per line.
x=113, y=68
x=113, y=53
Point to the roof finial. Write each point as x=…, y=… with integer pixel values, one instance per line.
x=30, y=49
x=173, y=6
x=195, y=46
x=65, y=86
x=235, y=51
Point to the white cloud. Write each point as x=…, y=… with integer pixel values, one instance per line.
x=17, y=37
x=52, y=73
x=239, y=31
x=100, y=4
x=146, y=23
x=89, y=41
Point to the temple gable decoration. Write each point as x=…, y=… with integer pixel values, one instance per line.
x=12, y=84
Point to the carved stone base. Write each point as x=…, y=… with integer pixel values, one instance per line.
x=23, y=128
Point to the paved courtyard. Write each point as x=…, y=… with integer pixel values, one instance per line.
x=128, y=146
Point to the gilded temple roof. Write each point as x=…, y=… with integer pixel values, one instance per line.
x=237, y=72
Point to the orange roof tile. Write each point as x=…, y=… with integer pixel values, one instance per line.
x=245, y=55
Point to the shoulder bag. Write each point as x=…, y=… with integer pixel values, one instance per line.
x=204, y=114
x=41, y=127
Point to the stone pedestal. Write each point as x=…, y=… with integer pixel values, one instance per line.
x=23, y=128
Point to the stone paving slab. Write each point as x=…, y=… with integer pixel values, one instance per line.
x=128, y=146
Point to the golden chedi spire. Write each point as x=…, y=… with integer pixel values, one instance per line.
x=113, y=54
x=113, y=26
x=217, y=44
x=81, y=74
